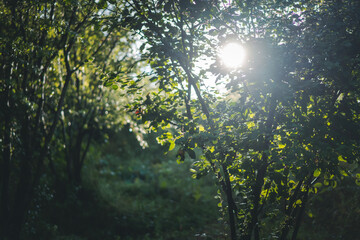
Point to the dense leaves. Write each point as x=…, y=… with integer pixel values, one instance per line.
x=53, y=56
x=287, y=127
x=278, y=140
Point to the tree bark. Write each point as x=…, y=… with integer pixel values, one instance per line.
x=232, y=211
x=253, y=228
x=23, y=192
x=6, y=154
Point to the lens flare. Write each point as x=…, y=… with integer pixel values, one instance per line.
x=232, y=55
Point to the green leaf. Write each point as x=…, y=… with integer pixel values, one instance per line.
x=341, y=159
x=282, y=145
x=357, y=181
x=172, y=146
x=108, y=83
x=201, y=128
x=317, y=172
x=344, y=173
x=250, y=124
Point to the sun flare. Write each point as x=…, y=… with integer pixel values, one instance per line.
x=232, y=55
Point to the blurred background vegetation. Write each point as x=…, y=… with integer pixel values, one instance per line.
x=132, y=193
x=77, y=164
x=127, y=192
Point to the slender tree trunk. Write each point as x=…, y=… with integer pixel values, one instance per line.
x=231, y=204
x=290, y=211
x=22, y=195
x=6, y=157
x=301, y=214
x=4, y=211
x=253, y=227
x=77, y=158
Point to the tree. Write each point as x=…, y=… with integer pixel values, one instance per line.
x=45, y=45
x=287, y=126
x=89, y=108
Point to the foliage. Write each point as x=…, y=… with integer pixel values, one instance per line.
x=127, y=193
x=90, y=110
x=333, y=213
x=284, y=136
x=287, y=126
x=54, y=56
x=156, y=198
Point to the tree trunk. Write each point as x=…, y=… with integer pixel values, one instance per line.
x=231, y=204
x=22, y=195
x=4, y=202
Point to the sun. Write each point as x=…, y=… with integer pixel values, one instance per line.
x=232, y=55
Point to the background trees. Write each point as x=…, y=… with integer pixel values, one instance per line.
x=285, y=129
x=57, y=58
x=288, y=125
x=53, y=56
